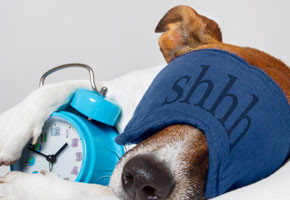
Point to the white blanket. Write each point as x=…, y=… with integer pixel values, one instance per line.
x=133, y=85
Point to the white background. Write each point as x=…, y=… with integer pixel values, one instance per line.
x=116, y=36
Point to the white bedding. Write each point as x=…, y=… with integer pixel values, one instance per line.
x=275, y=187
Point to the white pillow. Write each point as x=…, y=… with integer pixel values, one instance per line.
x=275, y=187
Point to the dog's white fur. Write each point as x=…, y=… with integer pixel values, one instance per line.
x=25, y=120
x=47, y=186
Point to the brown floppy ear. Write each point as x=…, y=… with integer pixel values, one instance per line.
x=185, y=30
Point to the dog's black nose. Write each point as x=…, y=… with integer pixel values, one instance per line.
x=144, y=178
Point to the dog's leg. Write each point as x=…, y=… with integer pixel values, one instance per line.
x=47, y=186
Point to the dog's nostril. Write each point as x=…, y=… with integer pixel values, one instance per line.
x=145, y=178
x=150, y=193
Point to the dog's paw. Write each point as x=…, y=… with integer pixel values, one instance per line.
x=18, y=185
x=17, y=127
x=21, y=123
x=47, y=186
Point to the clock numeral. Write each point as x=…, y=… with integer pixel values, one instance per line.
x=37, y=147
x=43, y=137
x=75, y=142
x=79, y=156
x=31, y=161
x=75, y=171
x=67, y=133
x=55, y=131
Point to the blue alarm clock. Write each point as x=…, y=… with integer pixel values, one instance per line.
x=78, y=143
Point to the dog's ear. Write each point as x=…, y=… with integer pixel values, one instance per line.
x=185, y=30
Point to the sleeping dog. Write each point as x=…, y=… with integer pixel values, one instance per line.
x=195, y=139
x=197, y=130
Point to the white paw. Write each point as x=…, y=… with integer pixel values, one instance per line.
x=18, y=185
x=47, y=186
x=17, y=127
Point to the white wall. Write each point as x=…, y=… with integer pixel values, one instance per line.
x=116, y=36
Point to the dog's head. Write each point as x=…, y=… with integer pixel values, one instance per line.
x=173, y=163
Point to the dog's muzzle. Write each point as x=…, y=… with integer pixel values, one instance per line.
x=144, y=178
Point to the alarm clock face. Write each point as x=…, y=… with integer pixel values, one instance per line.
x=59, y=149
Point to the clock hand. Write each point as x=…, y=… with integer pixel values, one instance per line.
x=49, y=158
x=60, y=150
x=38, y=152
x=52, y=158
x=50, y=166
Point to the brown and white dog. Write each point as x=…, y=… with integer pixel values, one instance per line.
x=175, y=160
x=184, y=30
